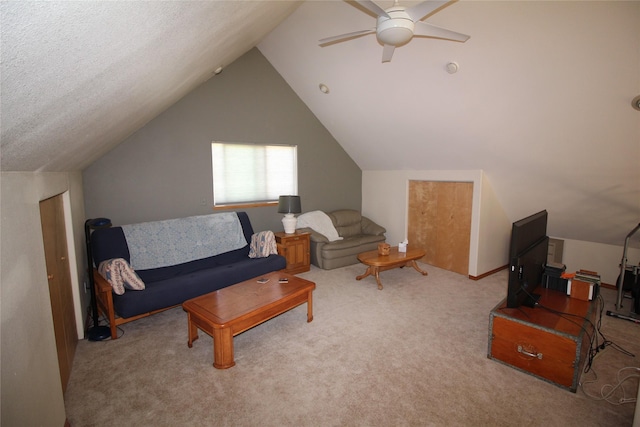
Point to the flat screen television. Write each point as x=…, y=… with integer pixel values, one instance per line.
x=527, y=257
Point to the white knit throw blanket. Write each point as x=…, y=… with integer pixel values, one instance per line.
x=176, y=241
x=320, y=222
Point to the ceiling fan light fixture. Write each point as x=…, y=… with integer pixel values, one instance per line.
x=397, y=25
x=396, y=30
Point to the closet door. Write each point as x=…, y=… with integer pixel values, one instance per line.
x=440, y=222
x=59, y=277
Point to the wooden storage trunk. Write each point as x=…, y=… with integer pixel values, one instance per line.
x=542, y=342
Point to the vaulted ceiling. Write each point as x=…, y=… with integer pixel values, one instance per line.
x=79, y=77
x=541, y=101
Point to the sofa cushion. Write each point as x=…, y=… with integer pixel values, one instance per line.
x=347, y=222
x=176, y=290
x=109, y=243
x=361, y=243
x=162, y=273
x=370, y=227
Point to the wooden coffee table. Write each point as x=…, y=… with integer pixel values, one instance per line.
x=227, y=312
x=377, y=263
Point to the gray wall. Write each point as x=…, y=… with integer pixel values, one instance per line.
x=164, y=170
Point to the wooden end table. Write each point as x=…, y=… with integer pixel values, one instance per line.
x=295, y=248
x=227, y=312
x=376, y=263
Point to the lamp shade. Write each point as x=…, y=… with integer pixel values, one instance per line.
x=289, y=204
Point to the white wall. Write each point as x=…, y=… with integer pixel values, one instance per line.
x=494, y=230
x=385, y=200
x=31, y=388
x=604, y=259
x=541, y=104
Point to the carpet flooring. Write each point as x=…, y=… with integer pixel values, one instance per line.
x=412, y=354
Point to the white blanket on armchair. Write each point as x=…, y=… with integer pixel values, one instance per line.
x=320, y=222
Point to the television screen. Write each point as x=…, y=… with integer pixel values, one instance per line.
x=525, y=275
x=527, y=257
x=527, y=232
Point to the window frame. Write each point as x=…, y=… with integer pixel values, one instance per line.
x=255, y=203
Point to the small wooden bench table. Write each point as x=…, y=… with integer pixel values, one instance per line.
x=227, y=312
x=377, y=263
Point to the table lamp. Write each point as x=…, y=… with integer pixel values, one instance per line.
x=289, y=205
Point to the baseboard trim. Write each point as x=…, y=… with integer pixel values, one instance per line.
x=488, y=273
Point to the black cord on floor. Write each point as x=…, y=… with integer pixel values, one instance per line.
x=594, y=346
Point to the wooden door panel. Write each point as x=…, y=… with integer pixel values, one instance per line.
x=439, y=222
x=455, y=225
x=422, y=221
x=59, y=278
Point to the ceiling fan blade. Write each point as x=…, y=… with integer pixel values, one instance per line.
x=419, y=11
x=373, y=7
x=346, y=36
x=428, y=30
x=387, y=52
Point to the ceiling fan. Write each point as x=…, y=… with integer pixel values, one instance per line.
x=397, y=25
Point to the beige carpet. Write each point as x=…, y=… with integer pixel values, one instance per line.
x=413, y=354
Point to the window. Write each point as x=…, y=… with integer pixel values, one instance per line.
x=253, y=173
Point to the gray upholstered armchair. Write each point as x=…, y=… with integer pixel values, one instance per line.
x=358, y=233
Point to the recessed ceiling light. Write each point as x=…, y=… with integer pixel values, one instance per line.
x=323, y=88
x=452, y=67
x=218, y=70
x=636, y=103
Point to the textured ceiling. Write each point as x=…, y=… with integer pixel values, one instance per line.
x=78, y=77
x=541, y=102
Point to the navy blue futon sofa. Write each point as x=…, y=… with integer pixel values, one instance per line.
x=170, y=285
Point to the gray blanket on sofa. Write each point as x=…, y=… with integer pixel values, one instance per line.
x=176, y=241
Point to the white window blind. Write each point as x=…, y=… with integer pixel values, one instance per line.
x=253, y=173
